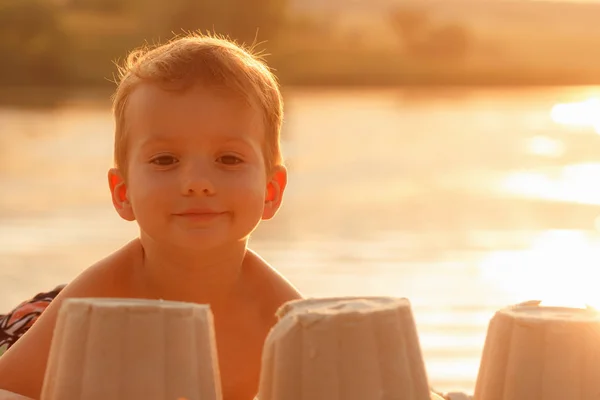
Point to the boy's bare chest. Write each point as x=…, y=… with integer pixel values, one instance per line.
x=239, y=345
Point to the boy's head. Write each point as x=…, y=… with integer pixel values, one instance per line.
x=208, y=61
x=197, y=148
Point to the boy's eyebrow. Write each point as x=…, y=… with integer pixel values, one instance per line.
x=165, y=139
x=155, y=139
x=237, y=139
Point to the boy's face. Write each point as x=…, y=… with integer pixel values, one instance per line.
x=195, y=173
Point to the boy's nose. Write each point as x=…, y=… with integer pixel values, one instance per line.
x=197, y=180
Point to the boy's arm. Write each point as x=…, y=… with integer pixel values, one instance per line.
x=4, y=395
x=22, y=367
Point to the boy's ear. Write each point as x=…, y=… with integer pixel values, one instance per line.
x=275, y=188
x=118, y=191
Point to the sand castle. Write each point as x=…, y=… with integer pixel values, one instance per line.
x=336, y=348
x=344, y=349
x=132, y=349
x=331, y=348
x=536, y=352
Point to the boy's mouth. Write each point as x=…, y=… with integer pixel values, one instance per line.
x=198, y=214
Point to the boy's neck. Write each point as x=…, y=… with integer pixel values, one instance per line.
x=201, y=277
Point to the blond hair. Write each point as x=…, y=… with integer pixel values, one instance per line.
x=201, y=59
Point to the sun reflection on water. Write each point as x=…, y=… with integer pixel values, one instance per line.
x=571, y=183
x=585, y=113
x=544, y=146
x=562, y=267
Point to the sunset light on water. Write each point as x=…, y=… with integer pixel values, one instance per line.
x=561, y=266
x=461, y=218
x=585, y=113
x=572, y=183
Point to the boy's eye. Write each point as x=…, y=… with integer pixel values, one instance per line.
x=229, y=160
x=164, y=161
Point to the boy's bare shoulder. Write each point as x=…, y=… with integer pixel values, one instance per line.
x=274, y=288
x=112, y=276
x=109, y=277
x=22, y=367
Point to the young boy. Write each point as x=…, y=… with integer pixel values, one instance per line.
x=197, y=166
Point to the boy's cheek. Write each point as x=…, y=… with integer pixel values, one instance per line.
x=254, y=187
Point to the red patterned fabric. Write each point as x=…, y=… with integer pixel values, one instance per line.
x=14, y=324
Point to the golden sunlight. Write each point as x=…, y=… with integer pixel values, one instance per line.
x=584, y=114
x=544, y=146
x=561, y=268
x=572, y=183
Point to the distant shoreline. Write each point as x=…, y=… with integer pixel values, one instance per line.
x=82, y=96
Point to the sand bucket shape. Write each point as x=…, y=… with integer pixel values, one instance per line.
x=533, y=352
x=132, y=349
x=344, y=349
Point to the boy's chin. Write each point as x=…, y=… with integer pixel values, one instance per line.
x=200, y=242
x=195, y=240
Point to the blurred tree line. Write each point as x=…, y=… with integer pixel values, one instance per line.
x=32, y=43
x=425, y=40
x=75, y=42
